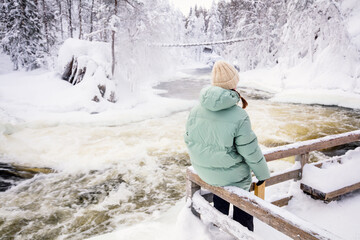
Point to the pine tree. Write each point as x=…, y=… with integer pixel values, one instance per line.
x=4, y=23
x=48, y=22
x=24, y=39
x=214, y=26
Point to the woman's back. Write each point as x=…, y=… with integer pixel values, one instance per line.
x=222, y=147
x=212, y=130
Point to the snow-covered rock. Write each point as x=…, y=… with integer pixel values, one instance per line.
x=88, y=64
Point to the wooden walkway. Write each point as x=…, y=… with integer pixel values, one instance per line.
x=269, y=213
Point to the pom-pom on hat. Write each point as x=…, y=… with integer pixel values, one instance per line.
x=224, y=75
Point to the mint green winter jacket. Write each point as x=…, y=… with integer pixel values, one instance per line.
x=222, y=147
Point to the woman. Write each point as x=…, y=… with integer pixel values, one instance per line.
x=222, y=147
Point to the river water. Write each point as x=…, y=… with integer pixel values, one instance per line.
x=111, y=176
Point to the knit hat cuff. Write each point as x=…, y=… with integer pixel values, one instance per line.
x=229, y=84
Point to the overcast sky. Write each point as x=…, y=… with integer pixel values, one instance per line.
x=184, y=5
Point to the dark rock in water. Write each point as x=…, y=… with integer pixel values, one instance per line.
x=8, y=177
x=340, y=150
x=4, y=185
x=97, y=193
x=11, y=175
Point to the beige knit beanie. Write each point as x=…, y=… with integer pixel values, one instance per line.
x=224, y=75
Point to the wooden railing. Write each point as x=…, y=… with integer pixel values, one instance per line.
x=301, y=150
x=269, y=213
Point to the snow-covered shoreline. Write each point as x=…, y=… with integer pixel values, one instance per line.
x=300, y=85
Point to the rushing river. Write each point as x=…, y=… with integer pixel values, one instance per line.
x=131, y=171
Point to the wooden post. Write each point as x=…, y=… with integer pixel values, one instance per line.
x=260, y=190
x=191, y=188
x=303, y=159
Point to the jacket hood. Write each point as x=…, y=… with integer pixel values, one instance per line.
x=216, y=98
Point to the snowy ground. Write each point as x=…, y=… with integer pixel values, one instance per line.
x=40, y=96
x=296, y=86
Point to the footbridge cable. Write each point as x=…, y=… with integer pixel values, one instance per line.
x=229, y=41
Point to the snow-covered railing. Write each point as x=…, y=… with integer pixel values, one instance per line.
x=267, y=212
x=311, y=145
x=229, y=41
x=276, y=217
x=301, y=151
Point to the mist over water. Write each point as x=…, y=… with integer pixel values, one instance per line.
x=111, y=176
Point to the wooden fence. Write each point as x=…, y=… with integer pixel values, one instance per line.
x=267, y=212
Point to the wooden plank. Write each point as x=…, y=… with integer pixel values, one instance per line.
x=343, y=191
x=277, y=218
x=313, y=192
x=282, y=202
x=311, y=145
x=259, y=191
x=280, y=177
x=329, y=196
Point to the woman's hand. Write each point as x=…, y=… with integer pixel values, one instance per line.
x=259, y=183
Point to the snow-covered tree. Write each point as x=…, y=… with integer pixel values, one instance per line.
x=260, y=20
x=195, y=31
x=23, y=38
x=48, y=22
x=140, y=24
x=321, y=27
x=214, y=29
x=5, y=23
x=195, y=27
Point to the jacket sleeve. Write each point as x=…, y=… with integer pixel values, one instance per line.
x=248, y=147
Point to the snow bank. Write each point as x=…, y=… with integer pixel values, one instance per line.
x=42, y=98
x=321, y=71
x=320, y=96
x=340, y=217
x=5, y=63
x=100, y=51
x=330, y=80
x=178, y=223
x=333, y=176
